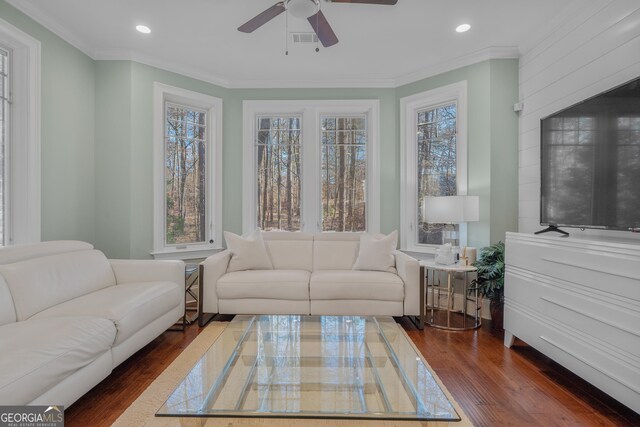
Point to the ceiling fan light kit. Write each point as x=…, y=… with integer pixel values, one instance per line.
x=303, y=9
x=306, y=9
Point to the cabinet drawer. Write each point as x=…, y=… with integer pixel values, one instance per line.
x=617, y=378
x=589, y=267
x=608, y=319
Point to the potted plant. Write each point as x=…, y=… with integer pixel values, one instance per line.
x=490, y=282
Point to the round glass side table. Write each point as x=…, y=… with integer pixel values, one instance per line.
x=444, y=308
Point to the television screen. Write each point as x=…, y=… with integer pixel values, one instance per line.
x=590, y=161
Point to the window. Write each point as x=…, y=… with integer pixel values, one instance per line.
x=187, y=190
x=278, y=173
x=311, y=166
x=20, y=214
x=436, y=139
x=185, y=174
x=4, y=137
x=433, y=161
x=344, y=172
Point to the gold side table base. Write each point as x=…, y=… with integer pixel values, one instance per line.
x=468, y=319
x=446, y=316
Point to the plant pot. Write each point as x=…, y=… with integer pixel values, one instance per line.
x=496, y=307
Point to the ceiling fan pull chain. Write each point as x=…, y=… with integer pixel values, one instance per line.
x=286, y=32
x=317, y=36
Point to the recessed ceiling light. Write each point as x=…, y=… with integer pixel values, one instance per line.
x=143, y=29
x=463, y=28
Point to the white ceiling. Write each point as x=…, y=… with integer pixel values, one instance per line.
x=380, y=46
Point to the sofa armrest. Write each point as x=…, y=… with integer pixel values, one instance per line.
x=212, y=269
x=133, y=270
x=409, y=271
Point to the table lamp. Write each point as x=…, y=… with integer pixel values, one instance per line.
x=451, y=210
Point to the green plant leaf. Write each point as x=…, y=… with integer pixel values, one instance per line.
x=490, y=265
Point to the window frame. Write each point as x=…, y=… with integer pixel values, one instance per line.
x=311, y=112
x=409, y=108
x=213, y=108
x=23, y=175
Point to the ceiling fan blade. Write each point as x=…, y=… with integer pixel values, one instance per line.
x=322, y=28
x=261, y=19
x=388, y=2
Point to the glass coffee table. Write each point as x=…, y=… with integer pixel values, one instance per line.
x=340, y=367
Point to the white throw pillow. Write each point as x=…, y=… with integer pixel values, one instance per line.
x=376, y=252
x=248, y=253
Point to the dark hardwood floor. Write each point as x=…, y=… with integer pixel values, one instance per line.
x=518, y=386
x=494, y=385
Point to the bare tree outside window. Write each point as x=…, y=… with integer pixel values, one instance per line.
x=344, y=173
x=185, y=174
x=278, y=173
x=436, y=135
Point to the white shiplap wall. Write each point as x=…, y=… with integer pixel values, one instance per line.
x=597, y=49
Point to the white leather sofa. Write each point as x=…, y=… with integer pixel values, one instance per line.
x=312, y=275
x=68, y=316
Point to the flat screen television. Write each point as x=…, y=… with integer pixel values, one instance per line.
x=590, y=162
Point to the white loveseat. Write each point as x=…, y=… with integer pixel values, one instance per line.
x=312, y=275
x=68, y=316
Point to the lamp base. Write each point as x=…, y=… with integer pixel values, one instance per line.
x=451, y=236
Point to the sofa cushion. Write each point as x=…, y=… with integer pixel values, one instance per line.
x=335, y=251
x=289, y=250
x=39, y=283
x=130, y=306
x=376, y=252
x=247, y=253
x=11, y=254
x=354, y=284
x=270, y=284
x=39, y=353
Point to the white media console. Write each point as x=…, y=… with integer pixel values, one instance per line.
x=578, y=302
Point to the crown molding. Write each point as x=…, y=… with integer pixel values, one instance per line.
x=310, y=84
x=495, y=52
x=499, y=52
x=34, y=12
x=127, y=55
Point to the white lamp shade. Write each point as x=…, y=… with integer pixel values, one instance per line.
x=450, y=209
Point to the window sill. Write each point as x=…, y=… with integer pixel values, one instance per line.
x=420, y=255
x=426, y=250
x=185, y=254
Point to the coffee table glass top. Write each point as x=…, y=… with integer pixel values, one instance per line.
x=311, y=367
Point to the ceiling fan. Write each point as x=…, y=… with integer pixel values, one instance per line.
x=309, y=9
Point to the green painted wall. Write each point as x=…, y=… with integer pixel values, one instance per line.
x=68, y=129
x=492, y=134
x=113, y=162
x=504, y=148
